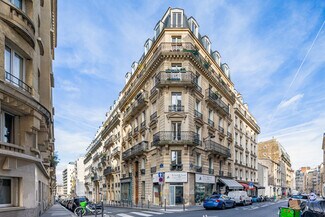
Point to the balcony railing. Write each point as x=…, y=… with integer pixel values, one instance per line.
x=17, y=82
x=229, y=135
x=221, y=130
x=211, y=123
x=198, y=114
x=215, y=100
x=136, y=150
x=177, y=167
x=136, y=106
x=116, y=150
x=153, y=117
x=179, y=138
x=176, y=78
x=176, y=108
x=198, y=169
x=143, y=125
x=136, y=130
x=107, y=171
x=220, y=173
x=217, y=148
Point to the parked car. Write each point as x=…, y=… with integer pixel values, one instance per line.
x=220, y=201
x=313, y=209
x=240, y=197
x=301, y=197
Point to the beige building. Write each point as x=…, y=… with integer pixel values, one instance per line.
x=178, y=121
x=272, y=154
x=27, y=162
x=59, y=190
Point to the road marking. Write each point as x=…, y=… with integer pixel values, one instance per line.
x=142, y=214
x=156, y=213
x=265, y=205
x=124, y=215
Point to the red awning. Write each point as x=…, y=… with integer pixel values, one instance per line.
x=246, y=187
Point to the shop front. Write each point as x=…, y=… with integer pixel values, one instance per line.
x=204, y=186
x=226, y=185
x=176, y=182
x=156, y=197
x=126, y=190
x=249, y=188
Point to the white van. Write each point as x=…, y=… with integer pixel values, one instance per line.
x=240, y=197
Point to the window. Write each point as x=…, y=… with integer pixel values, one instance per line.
x=14, y=67
x=210, y=163
x=5, y=192
x=220, y=122
x=176, y=43
x=176, y=157
x=198, y=159
x=210, y=115
x=198, y=131
x=157, y=30
x=154, y=108
x=143, y=163
x=176, y=130
x=143, y=189
x=194, y=28
x=17, y=3
x=176, y=66
x=8, y=128
x=198, y=79
x=176, y=102
x=198, y=105
x=143, y=116
x=177, y=19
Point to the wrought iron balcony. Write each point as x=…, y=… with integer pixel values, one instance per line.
x=214, y=100
x=176, y=108
x=198, y=169
x=153, y=118
x=107, y=171
x=140, y=102
x=136, y=130
x=176, y=138
x=176, y=78
x=198, y=114
x=221, y=130
x=217, y=148
x=211, y=123
x=136, y=150
x=220, y=173
x=17, y=82
x=116, y=150
x=229, y=135
x=143, y=125
x=177, y=167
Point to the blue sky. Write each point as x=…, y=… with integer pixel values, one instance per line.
x=275, y=51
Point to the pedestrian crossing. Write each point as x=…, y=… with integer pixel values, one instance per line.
x=141, y=214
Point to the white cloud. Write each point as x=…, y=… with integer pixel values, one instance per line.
x=290, y=102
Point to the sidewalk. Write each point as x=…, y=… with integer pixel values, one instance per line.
x=57, y=211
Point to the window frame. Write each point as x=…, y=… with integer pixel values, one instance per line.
x=174, y=23
x=22, y=73
x=22, y=5
x=178, y=157
x=11, y=192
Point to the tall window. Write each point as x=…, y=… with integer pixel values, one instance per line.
x=14, y=67
x=198, y=159
x=198, y=105
x=5, y=192
x=143, y=116
x=210, y=163
x=194, y=28
x=176, y=101
x=210, y=114
x=198, y=131
x=157, y=30
x=176, y=157
x=154, y=107
x=176, y=43
x=176, y=130
x=220, y=122
x=8, y=128
x=177, y=19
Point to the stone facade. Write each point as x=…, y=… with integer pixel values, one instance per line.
x=177, y=116
x=27, y=166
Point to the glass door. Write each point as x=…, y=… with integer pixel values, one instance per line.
x=179, y=195
x=172, y=195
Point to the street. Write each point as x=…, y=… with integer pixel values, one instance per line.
x=265, y=209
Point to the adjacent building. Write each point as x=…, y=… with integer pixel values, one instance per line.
x=300, y=181
x=272, y=155
x=59, y=191
x=27, y=42
x=80, y=176
x=179, y=130
x=69, y=180
x=263, y=181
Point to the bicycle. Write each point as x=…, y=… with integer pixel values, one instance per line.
x=85, y=209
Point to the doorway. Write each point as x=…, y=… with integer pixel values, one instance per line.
x=176, y=194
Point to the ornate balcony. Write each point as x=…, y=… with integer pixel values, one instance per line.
x=153, y=118
x=143, y=126
x=116, y=151
x=198, y=116
x=176, y=108
x=217, y=148
x=19, y=20
x=181, y=78
x=107, y=171
x=229, y=136
x=215, y=101
x=177, y=167
x=111, y=123
x=140, y=102
x=136, y=150
x=176, y=138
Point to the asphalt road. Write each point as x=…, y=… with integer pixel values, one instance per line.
x=266, y=209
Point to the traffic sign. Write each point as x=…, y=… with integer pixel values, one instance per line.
x=160, y=175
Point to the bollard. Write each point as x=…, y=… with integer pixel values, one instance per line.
x=165, y=204
x=102, y=209
x=148, y=204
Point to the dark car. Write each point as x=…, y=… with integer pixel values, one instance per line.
x=218, y=201
x=301, y=197
x=313, y=208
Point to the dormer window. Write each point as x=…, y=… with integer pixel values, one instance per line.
x=194, y=26
x=217, y=57
x=206, y=43
x=147, y=46
x=158, y=29
x=134, y=66
x=177, y=18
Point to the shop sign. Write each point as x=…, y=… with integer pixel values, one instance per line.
x=126, y=180
x=175, y=177
x=155, y=178
x=205, y=179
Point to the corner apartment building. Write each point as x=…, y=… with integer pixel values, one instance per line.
x=272, y=155
x=300, y=181
x=27, y=43
x=69, y=180
x=178, y=115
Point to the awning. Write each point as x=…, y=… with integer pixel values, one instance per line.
x=257, y=186
x=232, y=184
x=245, y=185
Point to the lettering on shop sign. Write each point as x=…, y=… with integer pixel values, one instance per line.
x=175, y=177
x=205, y=179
